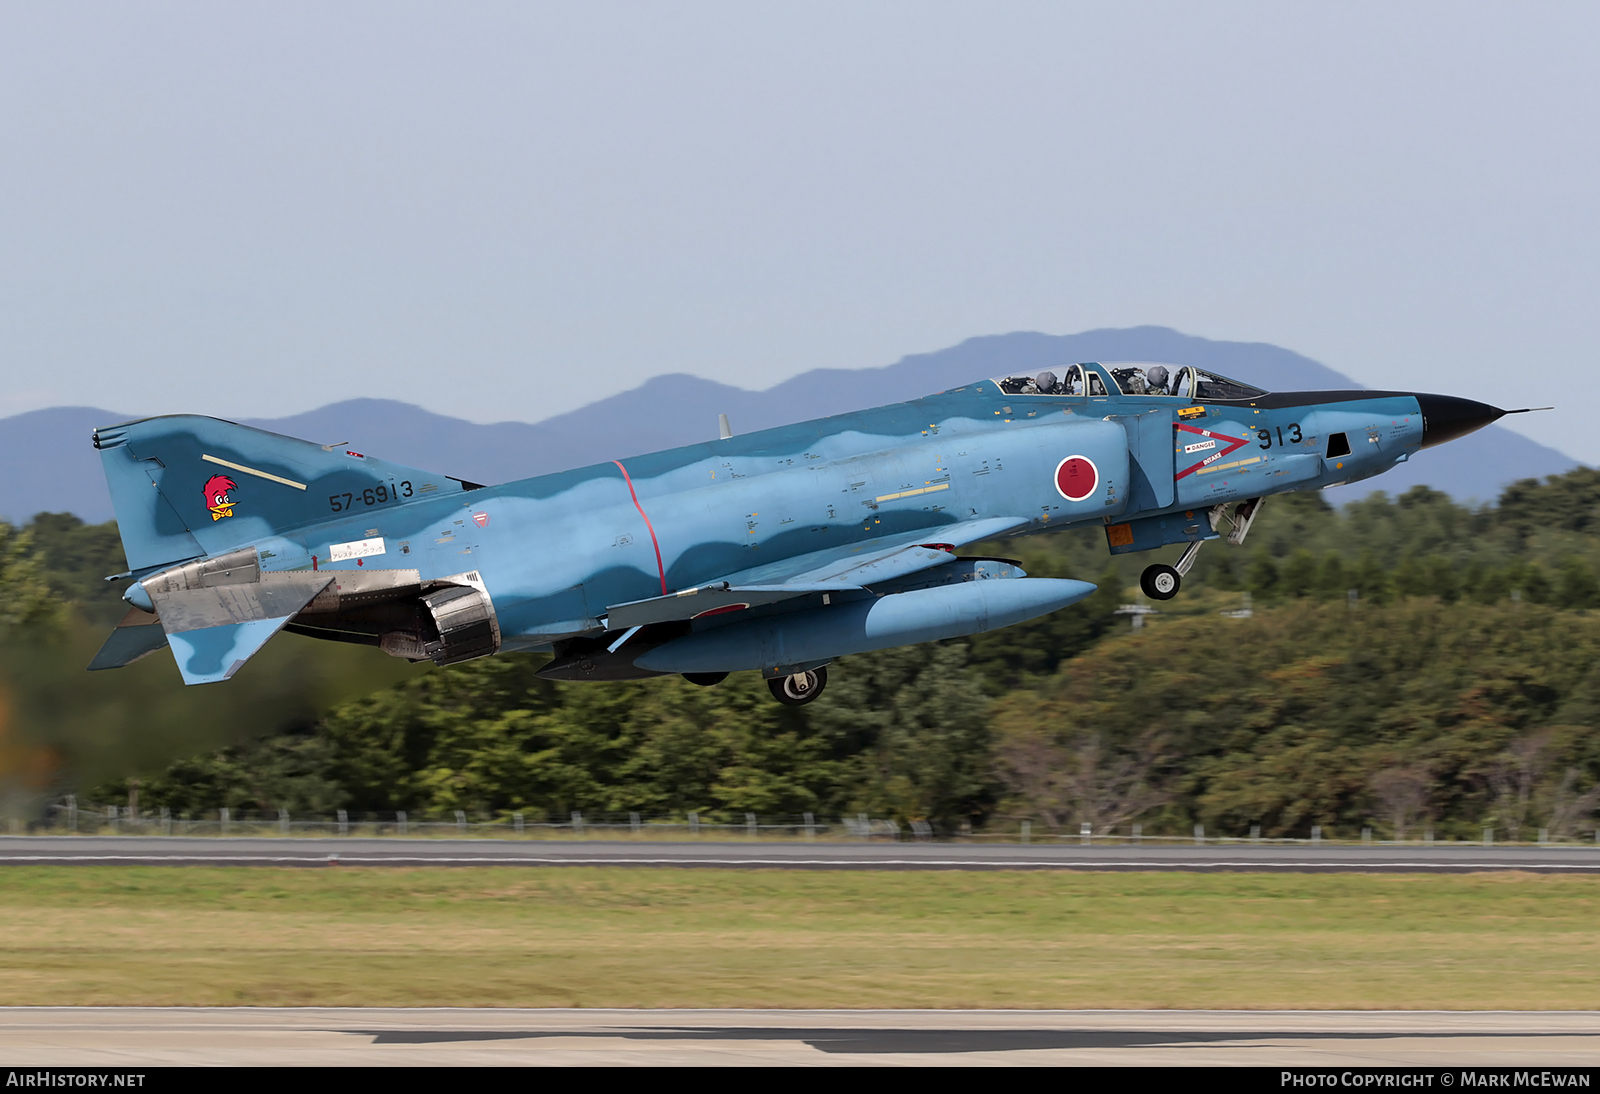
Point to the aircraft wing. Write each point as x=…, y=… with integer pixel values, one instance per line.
x=848, y=567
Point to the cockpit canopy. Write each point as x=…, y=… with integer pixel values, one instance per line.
x=1172, y=381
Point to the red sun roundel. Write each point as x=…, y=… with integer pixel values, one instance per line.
x=1076, y=478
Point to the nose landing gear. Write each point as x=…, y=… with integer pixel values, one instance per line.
x=1160, y=582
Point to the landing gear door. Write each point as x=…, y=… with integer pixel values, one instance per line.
x=1151, y=460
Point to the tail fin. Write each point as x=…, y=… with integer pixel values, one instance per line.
x=184, y=486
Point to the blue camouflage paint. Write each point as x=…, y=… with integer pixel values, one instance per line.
x=216, y=653
x=921, y=615
x=556, y=552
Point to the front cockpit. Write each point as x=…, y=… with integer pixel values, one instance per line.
x=1092, y=380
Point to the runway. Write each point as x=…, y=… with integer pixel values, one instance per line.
x=792, y=855
x=128, y=1038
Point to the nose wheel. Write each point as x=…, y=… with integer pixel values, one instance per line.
x=800, y=688
x=1160, y=582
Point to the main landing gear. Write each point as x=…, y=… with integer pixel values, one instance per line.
x=1162, y=582
x=795, y=690
x=800, y=688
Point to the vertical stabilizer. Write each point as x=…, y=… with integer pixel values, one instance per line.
x=153, y=535
x=186, y=486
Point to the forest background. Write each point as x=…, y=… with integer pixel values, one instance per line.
x=1399, y=664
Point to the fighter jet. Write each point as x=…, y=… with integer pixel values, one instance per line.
x=775, y=551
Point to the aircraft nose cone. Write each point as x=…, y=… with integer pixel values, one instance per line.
x=1445, y=417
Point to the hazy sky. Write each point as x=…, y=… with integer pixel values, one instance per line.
x=508, y=210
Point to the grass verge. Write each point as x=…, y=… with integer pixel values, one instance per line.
x=625, y=937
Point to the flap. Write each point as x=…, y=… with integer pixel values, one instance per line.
x=852, y=566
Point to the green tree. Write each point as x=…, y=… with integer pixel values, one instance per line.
x=1441, y=578
x=1012, y=657
x=1410, y=577
x=1536, y=585
x=918, y=717
x=287, y=771
x=1578, y=588
x=1569, y=502
x=1292, y=725
x=1473, y=583
x=1221, y=570
x=1332, y=581
x=24, y=594
x=1263, y=577
x=1371, y=579
x=1298, y=576
x=76, y=559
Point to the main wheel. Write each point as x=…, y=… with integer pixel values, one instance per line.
x=799, y=689
x=1160, y=582
x=705, y=679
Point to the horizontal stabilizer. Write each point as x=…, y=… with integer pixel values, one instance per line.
x=210, y=654
x=229, y=589
x=852, y=566
x=273, y=596
x=138, y=635
x=220, y=611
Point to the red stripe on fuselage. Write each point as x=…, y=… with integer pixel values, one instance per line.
x=662, y=570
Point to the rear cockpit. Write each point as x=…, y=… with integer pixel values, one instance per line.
x=1091, y=380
